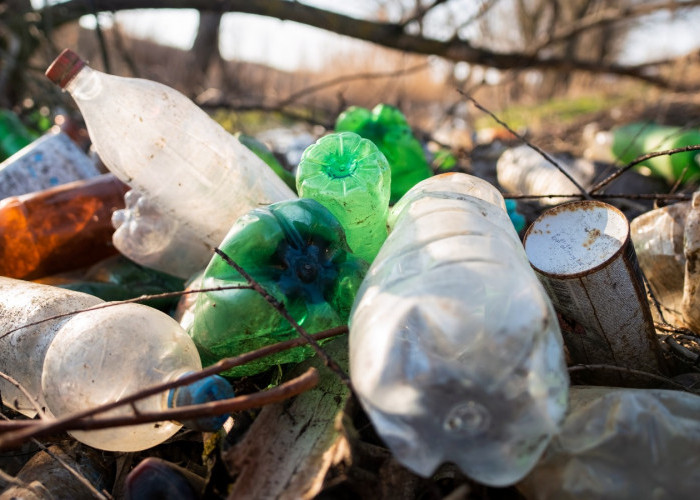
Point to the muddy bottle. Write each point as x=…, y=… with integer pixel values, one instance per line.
x=455, y=348
x=167, y=148
x=351, y=178
x=59, y=229
x=83, y=360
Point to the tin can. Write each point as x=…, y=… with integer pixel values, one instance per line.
x=583, y=255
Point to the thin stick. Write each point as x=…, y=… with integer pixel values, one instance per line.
x=113, y=303
x=584, y=192
x=240, y=403
x=576, y=368
x=328, y=361
x=639, y=160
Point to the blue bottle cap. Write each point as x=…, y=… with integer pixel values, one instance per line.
x=213, y=388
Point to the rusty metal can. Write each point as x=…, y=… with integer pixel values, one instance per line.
x=583, y=255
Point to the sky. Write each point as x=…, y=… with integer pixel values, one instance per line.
x=287, y=45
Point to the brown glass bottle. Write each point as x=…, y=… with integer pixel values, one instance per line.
x=59, y=229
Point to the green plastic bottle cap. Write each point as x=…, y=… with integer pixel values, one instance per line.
x=64, y=68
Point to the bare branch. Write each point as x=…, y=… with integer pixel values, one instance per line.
x=611, y=15
x=47, y=427
x=390, y=35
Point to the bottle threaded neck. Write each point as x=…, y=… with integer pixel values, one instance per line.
x=64, y=68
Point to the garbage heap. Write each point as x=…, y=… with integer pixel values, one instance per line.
x=540, y=345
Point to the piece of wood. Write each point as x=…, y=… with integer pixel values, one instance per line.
x=291, y=445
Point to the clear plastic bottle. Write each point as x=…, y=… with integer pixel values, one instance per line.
x=455, y=348
x=163, y=145
x=147, y=236
x=94, y=357
x=522, y=170
x=351, y=178
x=622, y=444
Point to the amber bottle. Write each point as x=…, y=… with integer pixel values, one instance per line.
x=59, y=229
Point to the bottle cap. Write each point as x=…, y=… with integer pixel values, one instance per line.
x=64, y=67
x=213, y=388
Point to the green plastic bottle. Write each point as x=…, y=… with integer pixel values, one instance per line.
x=350, y=177
x=636, y=139
x=297, y=251
x=387, y=127
x=119, y=278
x=13, y=134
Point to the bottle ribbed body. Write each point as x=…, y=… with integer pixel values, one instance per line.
x=59, y=229
x=162, y=144
x=90, y=358
x=351, y=178
x=455, y=349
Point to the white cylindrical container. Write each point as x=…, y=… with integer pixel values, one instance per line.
x=582, y=253
x=455, y=349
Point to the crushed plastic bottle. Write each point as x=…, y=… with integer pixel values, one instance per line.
x=455, y=348
x=387, y=127
x=524, y=171
x=90, y=358
x=622, y=444
x=351, y=178
x=60, y=228
x=167, y=148
x=636, y=139
x=297, y=251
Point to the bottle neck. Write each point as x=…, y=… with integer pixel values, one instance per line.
x=85, y=85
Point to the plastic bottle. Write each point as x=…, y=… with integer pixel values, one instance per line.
x=351, y=178
x=622, y=444
x=94, y=357
x=118, y=278
x=13, y=134
x=297, y=251
x=147, y=236
x=636, y=139
x=164, y=146
x=59, y=229
x=51, y=160
x=667, y=243
x=455, y=349
x=523, y=171
x=387, y=127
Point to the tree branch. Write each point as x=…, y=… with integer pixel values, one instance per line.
x=389, y=35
